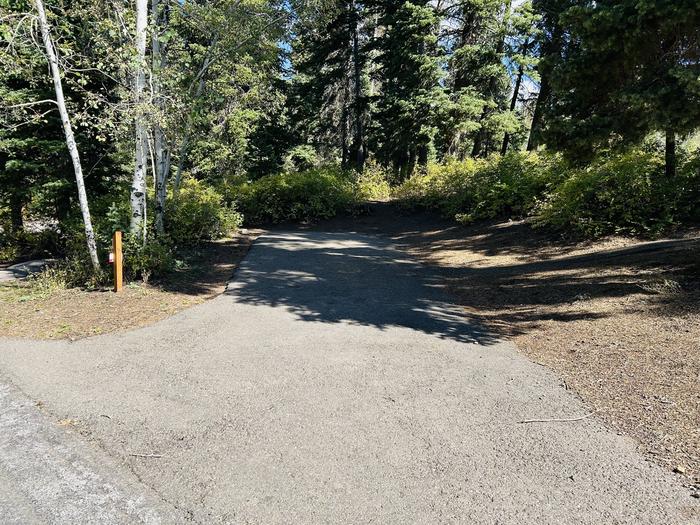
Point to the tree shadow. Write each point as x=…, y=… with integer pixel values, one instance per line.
x=349, y=278
x=513, y=278
x=518, y=297
x=207, y=267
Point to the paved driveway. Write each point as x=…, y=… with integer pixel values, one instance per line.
x=333, y=383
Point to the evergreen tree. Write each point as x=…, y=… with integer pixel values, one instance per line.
x=550, y=44
x=522, y=61
x=329, y=89
x=411, y=95
x=632, y=68
x=476, y=38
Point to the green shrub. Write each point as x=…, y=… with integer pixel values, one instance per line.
x=625, y=193
x=73, y=270
x=298, y=196
x=143, y=261
x=199, y=214
x=373, y=183
x=301, y=158
x=618, y=193
x=508, y=186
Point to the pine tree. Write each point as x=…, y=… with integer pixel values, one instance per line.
x=632, y=68
x=330, y=84
x=476, y=36
x=411, y=96
x=521, y=59
x=550, y=43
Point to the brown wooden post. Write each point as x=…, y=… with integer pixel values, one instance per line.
x=118, y=261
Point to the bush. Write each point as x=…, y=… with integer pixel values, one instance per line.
x=508, y=186
x=373, y=183
x=301, y=158
x=619, y=193
x=73, y=270
x=626, y=193
x=298, y=196
x=199, y=214
x=143, y=261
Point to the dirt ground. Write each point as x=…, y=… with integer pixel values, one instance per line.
x=618, y=319
x=74, y=313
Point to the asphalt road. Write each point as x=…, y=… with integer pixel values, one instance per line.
x=332, y=383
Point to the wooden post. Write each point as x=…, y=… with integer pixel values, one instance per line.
x=118, y=261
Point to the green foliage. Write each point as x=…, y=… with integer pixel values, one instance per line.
x=298, y=196
x=142, y=261
x=508, y=186
x=631, y=67
x=301, y=158
x=626, y=193
x=199, y=214
x=412, y=96
x=74, y=269
x=373, y=183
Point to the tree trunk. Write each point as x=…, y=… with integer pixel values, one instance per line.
x=138, y=183
x=534, y=140
x=670, y=153
x=513, y=103
x=344, y=117
x=160, y=150
x=358, y=140
x=68, y=131
x=469, y=27
x=16, y=218
x=545, y=93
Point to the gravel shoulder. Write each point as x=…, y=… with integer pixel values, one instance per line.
x=335, y=382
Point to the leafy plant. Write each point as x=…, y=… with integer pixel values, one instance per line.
x=199, y=214
x=297, y=196
x=373, y=183
x=500, y=186
x=143, y=261
x=625, y=193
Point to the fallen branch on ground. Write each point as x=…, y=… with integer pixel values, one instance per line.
x=146, y=455
x=556, y=420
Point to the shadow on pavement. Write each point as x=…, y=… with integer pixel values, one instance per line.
x=350, y=278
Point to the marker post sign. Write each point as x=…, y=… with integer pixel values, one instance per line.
x=117, y=260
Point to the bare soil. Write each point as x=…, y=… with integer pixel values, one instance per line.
x=618, y=318
x=75, y=313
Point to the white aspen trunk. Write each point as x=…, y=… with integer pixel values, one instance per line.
x=138, y=183
x=162, y=163
x=68, y=131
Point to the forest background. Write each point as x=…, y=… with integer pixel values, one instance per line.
x=183, y=119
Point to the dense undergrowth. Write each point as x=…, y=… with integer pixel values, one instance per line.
x=619, y=193
x=625, y=193
x=311, y=195
x=198, y=213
